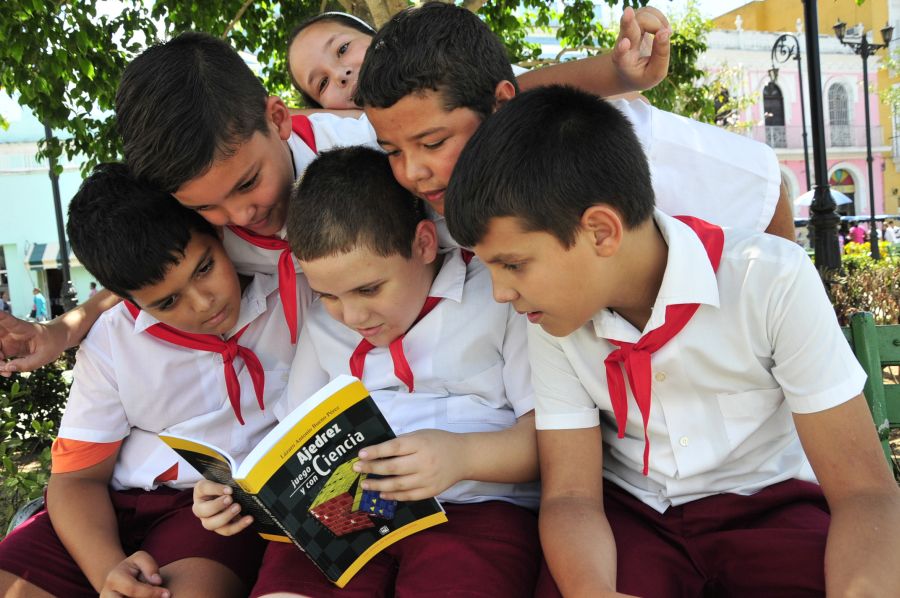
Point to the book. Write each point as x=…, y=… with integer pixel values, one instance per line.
x=300, y=487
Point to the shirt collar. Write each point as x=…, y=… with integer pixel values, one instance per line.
x=451, y=278
x=688, y=278
x=253, y=304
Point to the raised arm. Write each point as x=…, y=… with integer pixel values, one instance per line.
x=29, y=345
x=622, y=70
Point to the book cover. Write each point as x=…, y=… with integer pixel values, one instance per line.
x=300, y=487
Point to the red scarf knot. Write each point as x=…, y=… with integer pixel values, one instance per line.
x=228, y=349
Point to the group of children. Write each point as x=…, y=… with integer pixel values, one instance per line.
x=731, y=351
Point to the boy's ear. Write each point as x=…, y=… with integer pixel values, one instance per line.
x=504, y=92
x=605, y=229
x=425, y=243
x=278, y=114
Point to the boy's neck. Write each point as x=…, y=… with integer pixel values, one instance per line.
x=642, y=258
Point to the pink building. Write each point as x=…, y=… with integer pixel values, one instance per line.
x=775, y=116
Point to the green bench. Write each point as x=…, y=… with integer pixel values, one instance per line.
x=877, y=347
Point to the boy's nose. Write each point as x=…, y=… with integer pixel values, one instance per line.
x=354, y=316
x=504, y=294
x=416, y=170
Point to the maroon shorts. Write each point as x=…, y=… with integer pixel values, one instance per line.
x=486, y=549
x=159, y=522
x=771, y=544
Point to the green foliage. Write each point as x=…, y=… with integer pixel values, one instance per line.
x=31, y=406
x=867, y=285
x=63, y=60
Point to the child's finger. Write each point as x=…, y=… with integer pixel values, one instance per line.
x=213, y=506
x=629, y=29
x=658, y=63
x=207, y=489
x=650, y=20
x=391, y=448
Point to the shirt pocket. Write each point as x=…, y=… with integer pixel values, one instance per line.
x=467, y=413
x=485, y=387
x=746, y=413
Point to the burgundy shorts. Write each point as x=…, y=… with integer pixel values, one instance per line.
x=488, y=549
x=159, y=522
x=770, y=544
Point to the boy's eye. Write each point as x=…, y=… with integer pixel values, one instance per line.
x=512, y=267
x=201, y=208
x=168, y=303
x=436, y=144
x=207, y=266
x=369, y=291
x=249, y=183
x=343, y=48
x=323, y=84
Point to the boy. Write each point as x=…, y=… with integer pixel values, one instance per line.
x=196, y=349
x=704, y=485
x=197, y=122
x=425, y=100
x=448, y=368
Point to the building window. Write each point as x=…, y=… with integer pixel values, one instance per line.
x=841, y=180
x=773, y=106
x=839, y=116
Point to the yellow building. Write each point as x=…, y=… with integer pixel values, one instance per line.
x=782, y=15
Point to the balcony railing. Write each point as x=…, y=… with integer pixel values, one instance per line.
x=835, y=136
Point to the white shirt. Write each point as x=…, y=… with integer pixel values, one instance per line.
x=765, y=342
x=131, y=385
x=330, y=132
x=468, y=358
x=697, y=170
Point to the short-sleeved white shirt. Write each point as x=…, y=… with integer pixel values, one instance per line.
x=764, y=343
x=468, y=358
x=698, y=170
x=330, y=132
x=131, y=385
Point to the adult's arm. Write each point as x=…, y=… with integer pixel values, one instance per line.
x=30, y=345
x=782, y=224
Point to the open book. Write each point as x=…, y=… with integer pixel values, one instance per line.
x=300, y=487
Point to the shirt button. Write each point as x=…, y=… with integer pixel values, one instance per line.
x=660, y=376
x=684, y=441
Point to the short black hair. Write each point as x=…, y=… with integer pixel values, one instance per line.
x=126, y=233
x=349, y=198
x=438, y=47
x=545, y=157
x=326, y=17
x=184, y=104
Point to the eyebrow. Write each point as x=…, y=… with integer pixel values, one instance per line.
x=328, y=43
x=415, y=137
x=353, y=290
x=200, y=262
x=505, y=258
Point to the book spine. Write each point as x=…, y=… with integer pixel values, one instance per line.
x=277, y=521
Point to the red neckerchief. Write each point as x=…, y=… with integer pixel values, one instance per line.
x=228, y=349
x=401, y=365
x=636, y=356
x=287, y=275
x=303, y=128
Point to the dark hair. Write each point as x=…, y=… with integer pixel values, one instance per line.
x=349, y=198
x=184, y=104
x=545, y=157
x=326, y=17
x=126, y=233
x=439, y=47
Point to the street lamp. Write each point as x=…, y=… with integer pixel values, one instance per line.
x=787, y=47
x=866, y=49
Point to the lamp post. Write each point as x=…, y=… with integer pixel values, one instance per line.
x=787, y=47
x=866, y=49
x=823, y=220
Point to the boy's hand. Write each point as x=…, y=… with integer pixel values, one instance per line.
x=138, y=576
x=32, y=344
x=635, y=68
x=419, y=465
x=216, y=509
